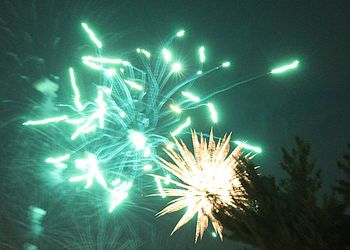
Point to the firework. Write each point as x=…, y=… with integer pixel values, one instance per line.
x=208, y=181
x=138, y=105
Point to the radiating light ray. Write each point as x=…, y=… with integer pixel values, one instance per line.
x=208, y=181
x=285, y=68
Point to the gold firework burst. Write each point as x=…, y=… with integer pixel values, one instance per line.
x=207, y=182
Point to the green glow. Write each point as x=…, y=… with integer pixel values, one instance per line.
x=76, y=90
x=181, y=33
x=167, y=55
x=201, y=54
x=213, y=234
x=249, y=147
x=92, y=171
x=190, y=96
x=93, y=65
x=199, y=72
x=118, y=194
x=46, y=121
x=92, y=35
x=134, y=85
x=176, y=67
x=138, y=139
x=182, y=127
x=284, y=68
x=226, y=64
x=213, y=113
x=175, y=108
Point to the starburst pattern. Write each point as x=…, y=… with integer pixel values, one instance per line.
x=208, y=181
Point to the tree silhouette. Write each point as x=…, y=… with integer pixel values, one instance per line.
x=288, y=215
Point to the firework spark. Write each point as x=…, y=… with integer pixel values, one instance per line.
x=208, y=181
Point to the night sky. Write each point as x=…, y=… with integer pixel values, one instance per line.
x=311, y=102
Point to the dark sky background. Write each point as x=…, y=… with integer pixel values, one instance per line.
x=312, y=101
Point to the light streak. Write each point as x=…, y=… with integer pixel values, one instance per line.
x=166, y=55
x=76, y=90
x=249, y=147
x=144, y=52
x=284, y=68
x=57, y=159
x=118, y=194
x=190, y=96
x=201, y=54
x=181, y=127
x=213, y=113
x=90, y=166
x=134, y=85
x=175, y=108
x=160, y=187
x=46, y=121
x=92, y=35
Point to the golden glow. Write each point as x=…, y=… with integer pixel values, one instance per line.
x=208, y=181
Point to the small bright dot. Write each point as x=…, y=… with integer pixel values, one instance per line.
x=226, y=64
x=166, y=55
x=122, y=114
x=213, y=234
x=199, y=72
x=176, y=67
x=147, y=167
x=147, y=152
x=180, y=33
x=111, y=72
x=138, y=139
